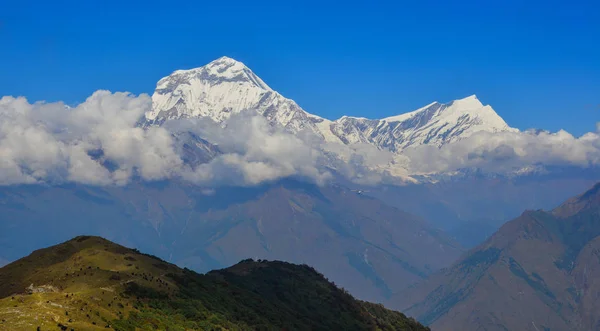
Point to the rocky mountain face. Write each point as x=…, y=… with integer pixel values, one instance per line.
x=89, y=283
x=538, y=272
x=225, y=87
x=364, y=245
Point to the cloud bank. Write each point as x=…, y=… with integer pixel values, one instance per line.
x=508, y=151
x=54, y=143
x=98, y=142
x=253, y=152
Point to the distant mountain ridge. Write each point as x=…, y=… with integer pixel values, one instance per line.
x=575, y=205
x=540, y=271
x=225, y=87
x=364, y=245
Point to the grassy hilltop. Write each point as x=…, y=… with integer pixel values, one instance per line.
x=89, y=283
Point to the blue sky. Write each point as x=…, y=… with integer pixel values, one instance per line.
x=536, y=62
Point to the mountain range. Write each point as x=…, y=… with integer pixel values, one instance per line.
x=226, y=87
x=539, y=271
x=378, y=148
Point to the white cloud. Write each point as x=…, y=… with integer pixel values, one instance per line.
x=508, y=151
x=83, y=169
x=50, y=142
x=99, y=143
x=254, y=152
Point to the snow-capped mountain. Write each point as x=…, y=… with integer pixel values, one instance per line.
x=436, y=124
x=226, y=86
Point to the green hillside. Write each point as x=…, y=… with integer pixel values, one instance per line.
x=89, y=283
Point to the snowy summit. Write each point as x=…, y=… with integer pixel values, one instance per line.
x=226, y=86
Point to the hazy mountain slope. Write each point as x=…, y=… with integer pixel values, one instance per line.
x=585, y=273
x=46, y=215
x=536, y=273
x=372, y=249
x=473, y=208
x=586, y=201
x=367, y=247
x=91, y=283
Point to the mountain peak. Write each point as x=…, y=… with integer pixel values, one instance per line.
x=463, y=105
x=470, y=102
x=223, y=69
x=225, y=59
x=222, y=62
x=436, y=111
x=442, y=123
x=222, y=87
x=589, y=199
x=230, y=68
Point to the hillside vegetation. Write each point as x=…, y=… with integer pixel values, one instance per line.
x=89, y=283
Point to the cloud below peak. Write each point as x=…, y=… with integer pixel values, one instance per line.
x=508, y=151
x=51, y=142
x=98, y=142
